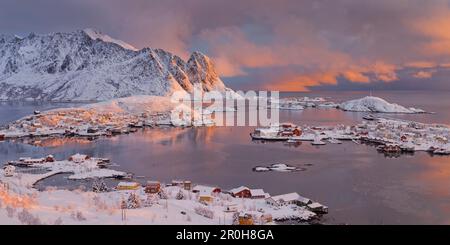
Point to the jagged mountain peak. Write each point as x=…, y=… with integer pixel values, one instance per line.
x=202, y=70
x=89, y=65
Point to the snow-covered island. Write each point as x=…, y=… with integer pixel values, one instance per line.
x=366, y=104
x=107, y=118
x=375, y=104
x=130, y=202
x=277, y=167
x=300, y=103
x=392, y=136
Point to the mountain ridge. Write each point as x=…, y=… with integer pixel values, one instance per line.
x=87, y=65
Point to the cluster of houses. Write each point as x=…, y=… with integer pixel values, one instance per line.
x=79, y=123
x=209, y=197
x=282, y=131
x=207, y=194
x=299, y=103
x=398, y=136
x=393, y=136
x=91, y=123
x=23, y=162
x=28, y=161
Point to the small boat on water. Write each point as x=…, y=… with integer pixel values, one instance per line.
x=441, y=152
x=334, y=141
x=292, y=141
x=318, y=141
x=369, y=117
x=355, y=141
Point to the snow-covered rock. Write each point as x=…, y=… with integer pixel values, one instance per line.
x=95, y=34
x=88, y=65
x=375, y=104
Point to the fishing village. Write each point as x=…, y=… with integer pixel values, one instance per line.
x=138, y=202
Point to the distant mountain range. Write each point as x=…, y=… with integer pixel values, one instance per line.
x=88, y=65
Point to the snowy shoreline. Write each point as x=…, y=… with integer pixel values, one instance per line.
x=132, y=203
x=115, y=117
x=392, y=136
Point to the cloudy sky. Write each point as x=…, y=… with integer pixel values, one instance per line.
x=288, y=45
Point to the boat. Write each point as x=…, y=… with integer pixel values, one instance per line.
x=292, y=141
x=318, y=141
x=369, y=117
x=441, y=152
x=334, y=141
x=355, y=141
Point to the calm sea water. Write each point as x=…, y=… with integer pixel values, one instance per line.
x=359, y=185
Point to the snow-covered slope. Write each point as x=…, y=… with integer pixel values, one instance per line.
x=88, y=65
x=133, y=105
x=375, y=104
x=94, y=34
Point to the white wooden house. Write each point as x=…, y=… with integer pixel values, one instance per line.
x=79, y=158
x=257, y=194
x=287, y=199
x=9, y=171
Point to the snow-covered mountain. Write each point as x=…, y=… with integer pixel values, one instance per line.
x=375, y=104
x=88, y=65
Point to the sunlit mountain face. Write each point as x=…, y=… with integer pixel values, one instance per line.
x=289, y=45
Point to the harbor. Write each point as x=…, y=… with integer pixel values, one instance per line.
x=391, y=136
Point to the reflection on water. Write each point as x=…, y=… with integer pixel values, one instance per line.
x=359, y=185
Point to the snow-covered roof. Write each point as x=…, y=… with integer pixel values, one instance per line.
x=239, y=189
x=203, y=189
x=294, y=196
x=10, y=167
x=33, y=160
x=79, y=157
x=316, y=205
x=128, y=184
x=257, y=192
x=153, y=182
